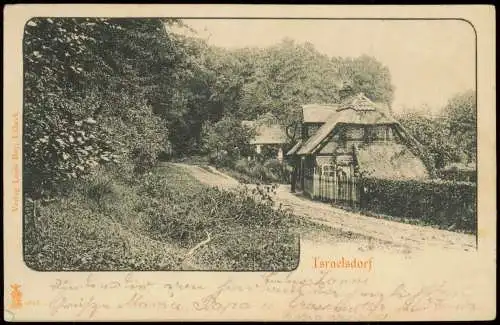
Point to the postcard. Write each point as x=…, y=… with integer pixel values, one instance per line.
x=249, y=162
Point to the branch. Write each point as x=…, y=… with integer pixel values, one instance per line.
x=206, y=241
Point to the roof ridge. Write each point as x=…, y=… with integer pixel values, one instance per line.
x=358, y=102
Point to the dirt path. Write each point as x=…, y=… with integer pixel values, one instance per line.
x=211, y=178
x=401, y=234
x=385, y=230
x=403, y=255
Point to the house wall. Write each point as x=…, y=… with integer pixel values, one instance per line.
x=356, y=135
x=338, y=152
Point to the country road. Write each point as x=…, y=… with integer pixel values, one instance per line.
x=444, y=267
x=400, y=234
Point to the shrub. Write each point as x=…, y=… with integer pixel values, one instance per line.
x=259, y=172
x=221, y=158
x=253, y=171
x=242, y=166
x=226, y=140
x=458, y=175
x=450, y=205
x=86, y=102
x=112, y=220
x=246, y=232
x=61, y=143
x=278, y=170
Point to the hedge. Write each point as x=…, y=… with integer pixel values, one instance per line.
x=449, y=205
x=458, y=175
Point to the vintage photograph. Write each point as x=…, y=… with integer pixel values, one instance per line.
x=170, y=144
x=249, y=163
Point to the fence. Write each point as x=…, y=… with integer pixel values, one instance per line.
x=335, y=189
x=446, y=204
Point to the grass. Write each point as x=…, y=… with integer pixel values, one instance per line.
x=165, y=220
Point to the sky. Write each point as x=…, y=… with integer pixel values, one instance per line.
x=429, y=61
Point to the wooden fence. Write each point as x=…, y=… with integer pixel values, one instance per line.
x=333, y=189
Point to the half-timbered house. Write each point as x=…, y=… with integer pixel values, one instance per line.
x=358, y=138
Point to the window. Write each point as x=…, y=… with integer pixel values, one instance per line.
x=327, y=170
x=354, y=133
x=377, y=133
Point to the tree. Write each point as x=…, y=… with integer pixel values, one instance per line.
x=286, y=76
x=249, y=82
x=434, y=135
x=226, y=140
x=461, y=113
x=89, y=85
x=366, y=75
x=448, y=138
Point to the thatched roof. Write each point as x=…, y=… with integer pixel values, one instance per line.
x=345, y=116
x=266, y=134
x=320, y=113
x=390, y=161
x=317, y=113
x=294, y=148
x=357, y=109
x=360, y=102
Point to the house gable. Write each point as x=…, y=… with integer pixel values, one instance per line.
x=268, y=131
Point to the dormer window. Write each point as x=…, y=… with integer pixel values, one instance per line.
x=378, y=133
x=354, y=133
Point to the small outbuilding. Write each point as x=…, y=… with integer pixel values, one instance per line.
x=270, y=139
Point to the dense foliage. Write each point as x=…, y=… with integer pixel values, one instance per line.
x=226, y=141
x=449, y=205
x=109, y=90
x=288, y=75
x=256, y=171
x=450, y=136
x=89, y=85
x=461, y=113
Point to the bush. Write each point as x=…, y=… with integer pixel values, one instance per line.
x=259, y=172
x=62, y=143
x=114, y=220
x=242, y=166
x=226, y=141
x=221, y=158
x=450, y=205
x=278, y=169
x=458, y=175
x=253, y=171
x=86, y=102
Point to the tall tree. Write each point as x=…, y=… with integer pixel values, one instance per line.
x=366, y=75
x=286, y=76
x=461, y=113
x=433, y=133
x=451, y=137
